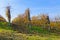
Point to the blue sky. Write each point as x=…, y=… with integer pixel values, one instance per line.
x=50, y=7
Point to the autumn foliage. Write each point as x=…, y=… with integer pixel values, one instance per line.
x=23, y=22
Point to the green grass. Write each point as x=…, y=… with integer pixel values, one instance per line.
x=6, y=33
x=4, y=25
x=52, y=37
x=38, y=30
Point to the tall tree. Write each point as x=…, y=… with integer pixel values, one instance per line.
x=8, y=14
x=27, y=13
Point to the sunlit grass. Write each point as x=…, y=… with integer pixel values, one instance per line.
x=19, y=36
x=7, y=33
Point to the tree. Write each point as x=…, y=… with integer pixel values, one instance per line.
x=8, y=14
x=18, y=20
x=27, y=17
x=21, y=26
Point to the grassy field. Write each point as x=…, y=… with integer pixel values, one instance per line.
x=6, y=33
x=14, y=35
x=10, y=35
